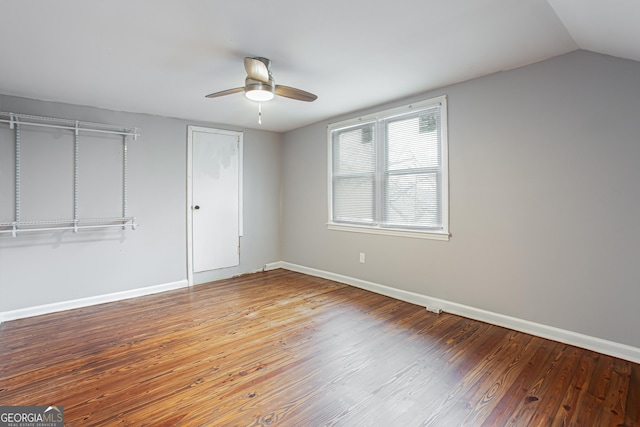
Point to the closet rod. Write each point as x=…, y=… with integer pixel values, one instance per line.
x=68, y=221
x=75, y=225
x=79, y=227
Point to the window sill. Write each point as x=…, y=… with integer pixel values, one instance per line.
x=431, y=235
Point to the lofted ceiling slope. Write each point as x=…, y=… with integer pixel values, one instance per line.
x=162, y=57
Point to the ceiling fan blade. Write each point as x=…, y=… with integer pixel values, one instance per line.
x=225, y=92
x=256, y=70
x=293, y=93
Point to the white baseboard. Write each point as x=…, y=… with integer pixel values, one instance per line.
x=275, y=265
x=610, y=348
x=85, y=302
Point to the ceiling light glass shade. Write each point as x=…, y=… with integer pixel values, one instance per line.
x=259, y=95
x=259, y=91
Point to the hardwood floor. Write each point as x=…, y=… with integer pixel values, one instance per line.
x=282, y=348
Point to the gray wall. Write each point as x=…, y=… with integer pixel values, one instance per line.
x=545, y=204
x=544, y=200
x=52, y=267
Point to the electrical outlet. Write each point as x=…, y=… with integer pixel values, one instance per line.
x=362, y=257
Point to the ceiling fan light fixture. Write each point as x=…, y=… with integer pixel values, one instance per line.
x=260, y=95
x=259, y=92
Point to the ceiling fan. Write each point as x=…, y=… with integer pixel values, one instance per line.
x=260, y=86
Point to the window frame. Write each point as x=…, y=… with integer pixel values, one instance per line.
x=378, y=117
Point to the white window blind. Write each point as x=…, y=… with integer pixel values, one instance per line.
x=389, y=170
x=354, y=166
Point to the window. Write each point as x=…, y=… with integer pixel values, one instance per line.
x=388, y=172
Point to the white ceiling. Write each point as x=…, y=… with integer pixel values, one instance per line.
x=162, y=56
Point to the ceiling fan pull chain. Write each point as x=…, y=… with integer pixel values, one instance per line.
x=259, y=113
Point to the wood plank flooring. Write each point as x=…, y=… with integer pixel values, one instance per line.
x=282, y=348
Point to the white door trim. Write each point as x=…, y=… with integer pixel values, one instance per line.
x=189, y=207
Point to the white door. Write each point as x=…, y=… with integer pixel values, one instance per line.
x=214, y=202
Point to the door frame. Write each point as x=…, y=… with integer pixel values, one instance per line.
x=189, y=207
